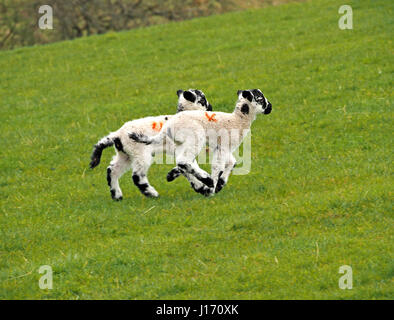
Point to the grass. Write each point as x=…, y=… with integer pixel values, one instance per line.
x=319, y=194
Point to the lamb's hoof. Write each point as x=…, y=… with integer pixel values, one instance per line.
x=114, y=196
x=152, y=194
x=207, y=181
x=219, y=186
x=173, y=174
x=203, y=190
x=210, y=192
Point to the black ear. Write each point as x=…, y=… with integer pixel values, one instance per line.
x=245, y=109
x=179, y=92
x=247, y=95
x=189, y=96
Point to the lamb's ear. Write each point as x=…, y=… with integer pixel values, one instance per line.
x=179, y=92
x=189, y=96
x=246, y=94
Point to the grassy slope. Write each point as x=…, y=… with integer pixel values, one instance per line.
x=319, y=194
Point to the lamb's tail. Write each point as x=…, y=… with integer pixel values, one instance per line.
x=98, y=150
x=142, y=138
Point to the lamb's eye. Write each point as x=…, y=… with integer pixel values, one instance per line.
x=262, y=102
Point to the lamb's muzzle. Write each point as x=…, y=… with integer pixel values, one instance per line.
x=268, y=109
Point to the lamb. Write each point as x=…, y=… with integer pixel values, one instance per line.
x=130, y=154
x=190, y=131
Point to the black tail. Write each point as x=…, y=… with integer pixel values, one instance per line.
x=98, y=150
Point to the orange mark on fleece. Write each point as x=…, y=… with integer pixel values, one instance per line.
x=212, y=117
x=157, y=126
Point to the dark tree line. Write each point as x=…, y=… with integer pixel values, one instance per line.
x=77, y=18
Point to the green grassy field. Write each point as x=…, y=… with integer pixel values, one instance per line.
x=319, y=194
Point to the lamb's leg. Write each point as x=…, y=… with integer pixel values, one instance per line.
x=118, y=166
x=188, y=169
x=223, y=178
x=186, y=154
x=173, y=174
x=218, y=167
x=141, y=166
x=197, y=185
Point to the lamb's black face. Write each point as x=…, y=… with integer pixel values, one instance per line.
x=257, y=97
x=260, y=99
x=196, y=97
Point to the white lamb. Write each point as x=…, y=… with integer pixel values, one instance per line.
x=130, y=154
x=190, y=131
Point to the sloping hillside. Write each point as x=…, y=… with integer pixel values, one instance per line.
x=319, y=194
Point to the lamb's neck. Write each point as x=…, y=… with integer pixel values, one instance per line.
x=244, y=120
